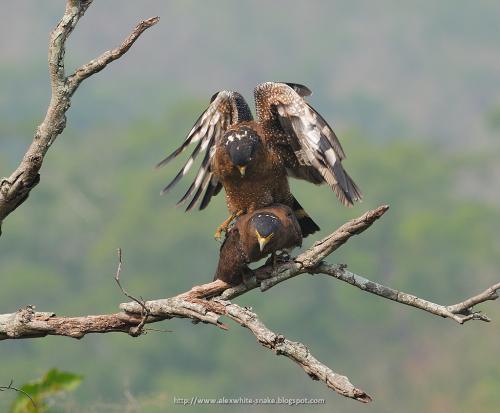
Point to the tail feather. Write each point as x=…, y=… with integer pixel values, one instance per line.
x=307, y=225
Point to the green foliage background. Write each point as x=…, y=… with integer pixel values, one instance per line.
x=32, y=396
x=440, y=240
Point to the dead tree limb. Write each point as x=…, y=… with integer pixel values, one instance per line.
x=208, y=302
x=15, y=189
x=295, y=351
x=460, y=312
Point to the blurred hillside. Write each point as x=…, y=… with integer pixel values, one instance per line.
x=412, y=91
x=419, y=69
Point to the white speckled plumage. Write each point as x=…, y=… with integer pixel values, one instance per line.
x=298, y=142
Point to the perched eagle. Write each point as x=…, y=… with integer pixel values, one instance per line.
x=253, y=237
x=253, y=159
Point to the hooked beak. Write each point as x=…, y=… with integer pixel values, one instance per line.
x=242, y=170
x=263, y=240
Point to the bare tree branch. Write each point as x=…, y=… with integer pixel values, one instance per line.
x=460, y=312
x=295, y=351
x=99, y=63
x=28, y=323
x=207, y=302
x=15, y=189
x=465, y=307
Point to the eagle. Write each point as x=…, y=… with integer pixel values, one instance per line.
x=253, y=237
x=252, y=159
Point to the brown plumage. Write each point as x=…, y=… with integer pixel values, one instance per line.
x=252, y=159
x=252, y=173
x=307, y=145
x=253, y=237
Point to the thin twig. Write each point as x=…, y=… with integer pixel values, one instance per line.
x=158, y=330
x=138, y=330
x=11, y=387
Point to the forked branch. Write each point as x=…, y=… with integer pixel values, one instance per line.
x=15, y=189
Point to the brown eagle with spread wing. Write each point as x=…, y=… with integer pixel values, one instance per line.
x=252, y=159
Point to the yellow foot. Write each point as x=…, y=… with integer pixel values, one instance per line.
x=218, y=234
x=225, y=225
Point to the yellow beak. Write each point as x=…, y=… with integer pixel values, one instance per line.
x=242, y=170
x=263, y=240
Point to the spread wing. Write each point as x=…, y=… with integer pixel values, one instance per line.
x=226, y=108
x=310, y=148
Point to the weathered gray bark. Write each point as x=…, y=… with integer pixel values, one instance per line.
x=15, y=189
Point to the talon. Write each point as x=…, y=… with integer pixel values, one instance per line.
x=283, y=257
x=272, y=261
x=277, y=259
x=218, y=235
x=225, y=225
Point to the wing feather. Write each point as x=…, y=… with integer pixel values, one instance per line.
x=203, y=172
x=317, y=152
x=184, y=170
x=226, y=108
x=300, y=89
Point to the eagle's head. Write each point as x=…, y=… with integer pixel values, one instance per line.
x=241, y=145
x=264, y=225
